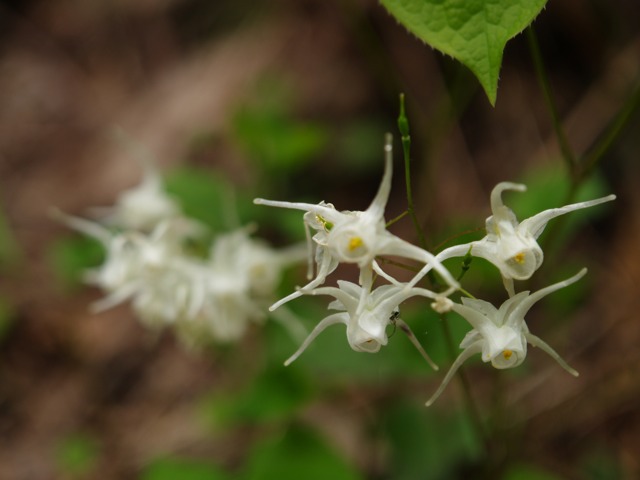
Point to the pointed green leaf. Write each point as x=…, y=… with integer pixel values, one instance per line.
x=474, y=32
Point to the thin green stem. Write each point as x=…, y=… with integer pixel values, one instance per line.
x=565, y=149
x=399, y=217
x=403, y=126
x=617, y=125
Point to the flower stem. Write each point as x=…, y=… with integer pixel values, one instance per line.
x=403, y=126
x=565, y=149
x=617, y=125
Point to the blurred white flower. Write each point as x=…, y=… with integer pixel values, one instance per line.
x=205, y=300
x=236, y=284
x=142, y=207
x=354, y=236
x=134, y=261
x=501, y=335
x=366, y=316
x=511, y=246
x=251, y=261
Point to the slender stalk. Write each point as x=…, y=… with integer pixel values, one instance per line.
x=399, y=217
x=403, y=126
x=565, y=149
x=579, y=167
x=598, y=150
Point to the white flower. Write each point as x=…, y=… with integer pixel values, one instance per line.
x=366, y=314
x=354, y=236
x=169, y=294
x=142, y=207
x=511, y=246
x=203, y=300
x=234, y=287
x=251, y=261
x=501, y=335
x=134, y=262
x=225, y=312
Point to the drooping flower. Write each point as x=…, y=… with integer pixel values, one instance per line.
x=355, y=237
x=511, y=245
x=501, y=335
x=366, y=316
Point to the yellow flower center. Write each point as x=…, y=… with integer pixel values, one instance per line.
x=519, y=258
x=355, y=242
x=507, y=354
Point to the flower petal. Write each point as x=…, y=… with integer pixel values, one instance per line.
x=535, y=225
x=544, y=346
x=468, y=352
x=326, y=322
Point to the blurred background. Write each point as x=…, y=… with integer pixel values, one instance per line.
x=289, y=99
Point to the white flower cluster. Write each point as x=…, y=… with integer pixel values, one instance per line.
x=146, y=263
x=360, y=237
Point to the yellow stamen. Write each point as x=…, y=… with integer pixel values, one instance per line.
x=519, y=258
x=507, y=354
x=354, y=243
x=325, y=224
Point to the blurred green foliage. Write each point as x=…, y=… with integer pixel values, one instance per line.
x=70, y=257
x=77, y=454
x=600, y=463
x=173, y=468
x=204, y=196
x=528, y=472
x=297, y=453
x=427, y=443
x=271, y=136
x=274, y=395
x=358, y=145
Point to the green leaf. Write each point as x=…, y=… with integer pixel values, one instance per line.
x=182, y=468
x=300, y=454
x=473, y=32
